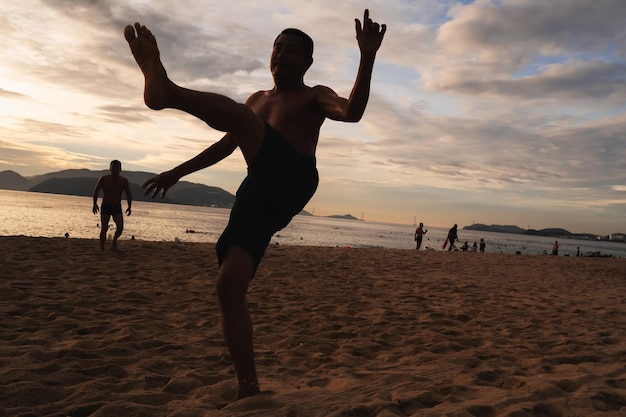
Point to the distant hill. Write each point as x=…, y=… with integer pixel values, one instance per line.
x=518, y=230
x=136, y=177
x=11, y=180
x=495, y=228
x=551, y=232
x=82, y=182
x=343, y=216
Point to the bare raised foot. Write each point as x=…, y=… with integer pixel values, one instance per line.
x=144, y=47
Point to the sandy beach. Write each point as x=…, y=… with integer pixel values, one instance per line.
x=338, y=332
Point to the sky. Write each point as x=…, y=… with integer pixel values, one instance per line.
x=509, y=112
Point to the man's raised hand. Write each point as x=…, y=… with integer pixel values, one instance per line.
x=370, y=35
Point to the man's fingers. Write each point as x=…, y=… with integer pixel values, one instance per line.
x=366, y=16
x=149, y=189
x=148, y=182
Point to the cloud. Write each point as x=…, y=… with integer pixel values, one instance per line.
x=12, y=95
x=565, y=49
x=475, y=106
x=30, y=160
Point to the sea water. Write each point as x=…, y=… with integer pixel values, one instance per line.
x=53, y=215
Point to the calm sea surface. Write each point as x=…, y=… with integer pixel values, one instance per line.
x=52, y=215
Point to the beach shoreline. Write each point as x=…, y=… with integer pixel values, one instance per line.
x=338, y=332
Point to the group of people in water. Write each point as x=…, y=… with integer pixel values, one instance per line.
x=450, y=241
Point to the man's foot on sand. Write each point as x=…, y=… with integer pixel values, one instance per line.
x=248, y=387
x=144, y=47
x=262, y=400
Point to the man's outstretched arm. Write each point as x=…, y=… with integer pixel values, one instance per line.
x=369, y=37
x=210, y=156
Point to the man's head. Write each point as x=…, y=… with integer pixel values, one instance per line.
x=307, y=42
x=115, y=167
x=292, y=52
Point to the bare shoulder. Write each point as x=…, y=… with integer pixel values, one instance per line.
x=256, y=97
x=322, y=90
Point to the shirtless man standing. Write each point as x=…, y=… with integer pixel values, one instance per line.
x=419, y=235
x=112, y=186
x=277, y=132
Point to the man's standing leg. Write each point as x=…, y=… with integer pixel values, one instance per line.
x=104, y=227
x=119, y=228
x=232, y=286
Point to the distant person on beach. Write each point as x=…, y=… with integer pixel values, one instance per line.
x=465, y=246
x=475, y=247
x=277, y=132
x=481, y=246
x=112, y=186
x=452, y=237
x=419, y=234
x=555, y=248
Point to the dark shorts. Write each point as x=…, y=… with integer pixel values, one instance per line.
x=280, y=182
x=111, y=209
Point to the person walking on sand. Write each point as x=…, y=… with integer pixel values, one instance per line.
x=555, y=248
x=112, y=186
x=277, y=131
x=452, y=237
x=419, y=234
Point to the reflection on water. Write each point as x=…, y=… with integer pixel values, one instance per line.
x=51, y=215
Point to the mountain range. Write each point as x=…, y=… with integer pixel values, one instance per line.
x=82, y=182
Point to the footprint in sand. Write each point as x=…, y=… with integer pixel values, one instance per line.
x=318, y=382
x=608, y=401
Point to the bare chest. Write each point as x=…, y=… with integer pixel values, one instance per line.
x=286, y=109
x=295, y=116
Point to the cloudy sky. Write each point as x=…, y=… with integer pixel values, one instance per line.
x=486, y=111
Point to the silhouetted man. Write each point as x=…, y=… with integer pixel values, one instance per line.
x=277, y=132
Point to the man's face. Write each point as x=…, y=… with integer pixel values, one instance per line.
x=288, y=57
x=115, y=169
